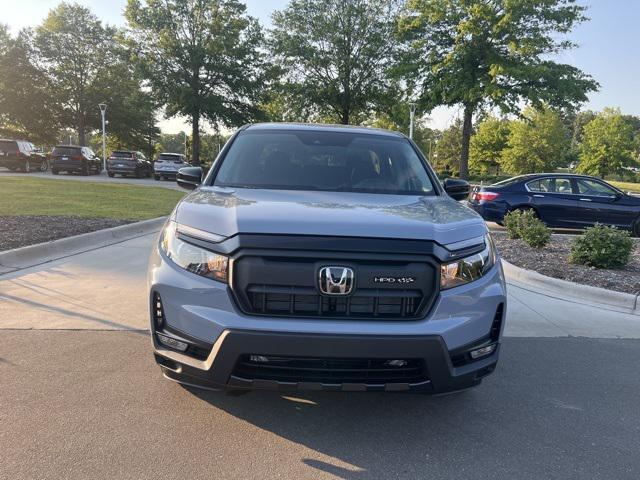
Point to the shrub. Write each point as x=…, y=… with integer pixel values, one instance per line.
x=526, y=225
x=602, y=247
x=535, y=233
x=512, y=222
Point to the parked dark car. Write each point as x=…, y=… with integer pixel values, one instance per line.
x=128, y=162
x=74, y=159
x=22, y=155
x=167, y=165
x=559, y=200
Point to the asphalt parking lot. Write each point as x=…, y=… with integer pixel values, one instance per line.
x=82, y=398
x=87, y=404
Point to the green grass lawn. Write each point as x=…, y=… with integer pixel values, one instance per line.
x=37, y=196
x=627, y=186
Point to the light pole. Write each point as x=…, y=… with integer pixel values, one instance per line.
x=185, y=144
x=103, y=109
x=412, y=112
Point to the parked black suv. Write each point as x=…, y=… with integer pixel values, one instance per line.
x=127, y=162
x=74, y=159
x=21, y=155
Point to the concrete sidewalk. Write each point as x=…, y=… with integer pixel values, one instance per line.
x=105, y=289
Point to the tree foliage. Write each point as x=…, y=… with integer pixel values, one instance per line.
x=26, y=108
x=487, y=144
x=73, y=50
x=492, y=53
x=447, y=159
x=336, y=54
x=537, y=143
x=607, y=144
x=202, y=59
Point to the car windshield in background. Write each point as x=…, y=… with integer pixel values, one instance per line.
x=167, y=157
x=66, y=150
x=122, y=154
x=327, y=161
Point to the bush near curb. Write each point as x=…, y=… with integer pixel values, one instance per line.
x=602, y=247
x=526, y=225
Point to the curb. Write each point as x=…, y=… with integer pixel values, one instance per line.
x=562, y=289
x=32, y=255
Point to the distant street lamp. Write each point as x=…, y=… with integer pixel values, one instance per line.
x=185, y=144
x=103, y=109
x=412, y=112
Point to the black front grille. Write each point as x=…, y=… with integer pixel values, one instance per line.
x=330, y=370
x=366, y=303
x=278, y=285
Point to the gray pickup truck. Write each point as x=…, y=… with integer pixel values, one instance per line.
x=325, y=258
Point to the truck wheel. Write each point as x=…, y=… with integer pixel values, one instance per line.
x=85, y=170
x=54, y=171
x=156, y=177
x=138, y=174
x=111, y=175
x=26, y=167
x=636, y=228
x=44, y=166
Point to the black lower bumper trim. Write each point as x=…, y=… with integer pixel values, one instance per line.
x=441, y=375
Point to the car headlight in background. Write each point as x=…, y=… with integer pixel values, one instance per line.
x=192, y=258
x=469, y=268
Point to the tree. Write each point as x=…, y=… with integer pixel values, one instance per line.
x=479, y=54
x=448, y=150
x=537, y=143
x=607, y=144
x=396, y=117
x=336, y=54
x=26, y=109
x=202, y=59
x=579, y=122
x=73, y=51
x=487, y=145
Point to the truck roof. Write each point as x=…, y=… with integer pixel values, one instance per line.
x=322, y=127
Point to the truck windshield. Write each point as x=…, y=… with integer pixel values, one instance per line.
x=326, y=161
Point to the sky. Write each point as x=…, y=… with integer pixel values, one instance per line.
x=608, y=47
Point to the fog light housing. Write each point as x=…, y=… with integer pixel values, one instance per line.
x=171, y=342
x=482, y=351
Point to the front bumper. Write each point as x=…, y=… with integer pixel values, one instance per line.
x=219, y=369
x=203, y=311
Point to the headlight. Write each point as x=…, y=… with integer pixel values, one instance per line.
x=192, y=258
x=468, y=269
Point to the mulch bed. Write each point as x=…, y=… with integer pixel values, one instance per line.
x=553, y=261
x=20, y=231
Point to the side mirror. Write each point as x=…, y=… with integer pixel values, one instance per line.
x=189, y=177
x=456, y=188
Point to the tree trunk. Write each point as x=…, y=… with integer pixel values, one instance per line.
x=345, y=116
x=195, y=139
x=466, y=139
x=81, y=132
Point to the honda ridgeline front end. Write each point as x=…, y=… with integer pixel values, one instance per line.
x=325, y=258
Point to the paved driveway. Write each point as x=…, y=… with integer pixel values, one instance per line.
x=81, y=397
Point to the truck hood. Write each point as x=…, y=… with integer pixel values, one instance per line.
x=228, y=211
